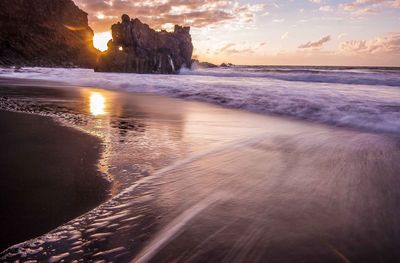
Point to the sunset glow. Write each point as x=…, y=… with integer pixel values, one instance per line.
x=100, y=40
x=304, y=32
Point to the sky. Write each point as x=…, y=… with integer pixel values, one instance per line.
x=255, y=32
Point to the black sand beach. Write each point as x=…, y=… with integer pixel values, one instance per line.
x=48, y=176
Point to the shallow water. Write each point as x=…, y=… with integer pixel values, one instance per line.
x=195, y=182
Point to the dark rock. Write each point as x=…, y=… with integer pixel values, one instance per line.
x=137, y=48
x=198, y=65
x=226, y=65
x=45, y=33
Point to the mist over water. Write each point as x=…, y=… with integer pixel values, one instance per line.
x=366, y=98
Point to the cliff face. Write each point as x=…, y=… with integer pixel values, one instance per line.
x=137, y=48
x=45, y=33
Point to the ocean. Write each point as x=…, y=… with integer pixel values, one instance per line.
x=365, y=98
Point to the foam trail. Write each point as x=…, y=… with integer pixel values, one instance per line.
x=174, y=228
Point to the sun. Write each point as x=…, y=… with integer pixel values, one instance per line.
x=100, y=40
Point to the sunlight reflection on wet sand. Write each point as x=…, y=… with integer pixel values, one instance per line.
x=97, y=104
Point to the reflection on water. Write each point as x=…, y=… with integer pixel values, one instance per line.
x=124, y=125
x=97, y=104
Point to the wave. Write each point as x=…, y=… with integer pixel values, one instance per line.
x=354, y=76
x=359, y=98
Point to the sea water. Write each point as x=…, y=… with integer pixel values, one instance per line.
x=367, y=98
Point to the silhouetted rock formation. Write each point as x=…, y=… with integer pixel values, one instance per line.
x=196, y=64
x=226, y=65
x=137, y=48
x=45, y=33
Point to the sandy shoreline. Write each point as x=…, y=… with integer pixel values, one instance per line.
x=199, y=182
x=48, y=173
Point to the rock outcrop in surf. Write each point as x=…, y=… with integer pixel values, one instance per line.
x=137, y=48
x=196, y=64
x=45, y=33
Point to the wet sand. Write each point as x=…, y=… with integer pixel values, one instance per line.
x=199, y=183
x=48, y=175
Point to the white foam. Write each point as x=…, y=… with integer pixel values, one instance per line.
x=361, y=98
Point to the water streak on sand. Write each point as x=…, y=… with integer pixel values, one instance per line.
x=174, y=227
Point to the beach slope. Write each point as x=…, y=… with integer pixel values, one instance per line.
x=48, y=175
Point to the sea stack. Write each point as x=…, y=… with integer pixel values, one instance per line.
x=136, y=48
x=45, y=33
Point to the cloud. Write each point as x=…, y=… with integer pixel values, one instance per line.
x=326, y=8
x=365, y=7
x=261, y=44
x=233, y=48
x=323, y=7
x=361, y=3
x=156, y=13
x=227, y=47
x=389, y=43
x=316, y=44
x=285, y=36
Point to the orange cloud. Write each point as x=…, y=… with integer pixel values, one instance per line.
x=316, y=44
x=244, y=48
x=389, y=43
x=156, y=13
x=365, y=7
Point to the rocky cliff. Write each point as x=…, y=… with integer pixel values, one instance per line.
x=45, y=33
x=137, y=48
